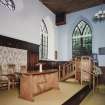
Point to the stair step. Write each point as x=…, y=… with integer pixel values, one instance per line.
x=68, y=76
x=72, y=80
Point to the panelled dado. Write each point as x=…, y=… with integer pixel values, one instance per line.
x=32, y=49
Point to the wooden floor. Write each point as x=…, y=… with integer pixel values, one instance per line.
x=55, y=97
x=97, y=98
x=52, y=97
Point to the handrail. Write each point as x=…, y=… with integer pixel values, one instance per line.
x=89, y=72
x=65, y=70
x=93, y=82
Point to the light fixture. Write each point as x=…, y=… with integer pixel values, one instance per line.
x=8, y=3
x=100, y=15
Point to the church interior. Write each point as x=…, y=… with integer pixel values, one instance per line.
x=52, y=52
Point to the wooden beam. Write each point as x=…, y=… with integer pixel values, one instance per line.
x=104, y=1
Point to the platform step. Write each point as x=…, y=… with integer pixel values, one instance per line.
x=68, y=76
x=72, y=80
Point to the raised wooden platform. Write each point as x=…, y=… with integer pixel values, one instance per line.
x=66, y=91
x=78, y=97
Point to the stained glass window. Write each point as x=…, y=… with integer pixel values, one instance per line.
x=8, y=3
x=82, y=39
x=44, y=41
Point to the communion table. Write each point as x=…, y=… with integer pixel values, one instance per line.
x=34, y=83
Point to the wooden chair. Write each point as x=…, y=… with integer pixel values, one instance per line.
x=11, y=68
x=11, y=74
x=4, y=80
x=23, y=69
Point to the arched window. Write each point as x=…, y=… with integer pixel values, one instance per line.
x=82, y=39
x=44, y=41
x=8, y=3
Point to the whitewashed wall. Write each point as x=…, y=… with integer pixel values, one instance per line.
x=65, y=32
x=24, y=22
x=101, y=60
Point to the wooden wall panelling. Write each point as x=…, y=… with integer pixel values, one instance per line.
x=51, y=64
x=102, y=51
x=16, y=43
x=32, y=60
x=102, y=77
x=30, y=47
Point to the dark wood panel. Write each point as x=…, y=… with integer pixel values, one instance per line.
x=102, y=51
x=16, y=43
x=32, y=60
x=51, y=64
x=102, y=77
x=33, y=49
x=60, y=19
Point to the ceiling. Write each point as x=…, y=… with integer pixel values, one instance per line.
x=68, y=6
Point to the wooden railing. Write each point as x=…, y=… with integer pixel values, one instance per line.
x=81, y=69
x=75, y=67
x=66, y=70
x=93, y=81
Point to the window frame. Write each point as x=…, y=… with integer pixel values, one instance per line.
x=43, y=53
x=8, y=3
x=83, y=37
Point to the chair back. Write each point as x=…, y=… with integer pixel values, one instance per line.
x=23, y=69
x=2, y=77
x=0, y=70
x=11, y=68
